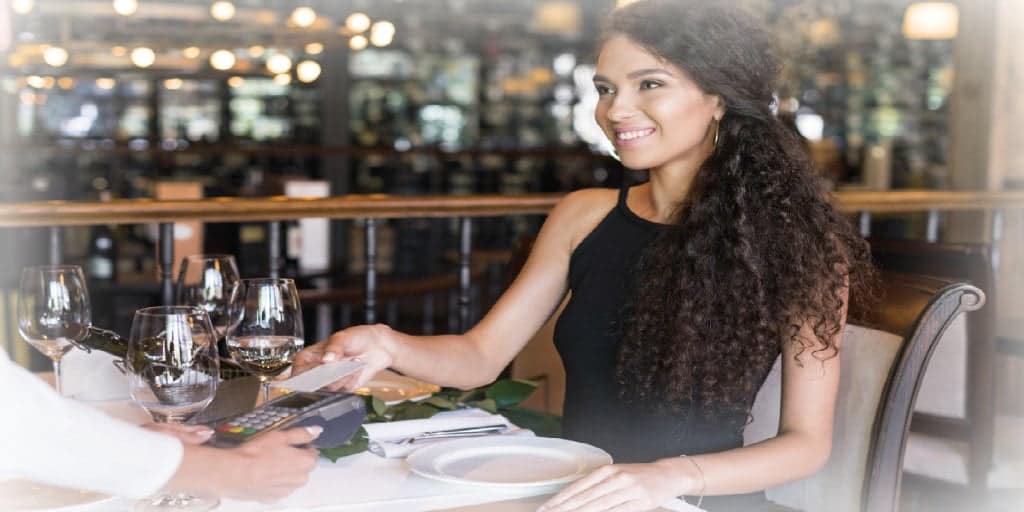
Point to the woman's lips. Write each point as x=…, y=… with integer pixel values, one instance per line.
x=632, y=136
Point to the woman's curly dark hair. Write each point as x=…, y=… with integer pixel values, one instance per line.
x=756, y=250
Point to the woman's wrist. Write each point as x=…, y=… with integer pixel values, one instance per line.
x=388, y=340
x=687, y=471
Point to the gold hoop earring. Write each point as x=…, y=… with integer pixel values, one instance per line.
x=718, y=122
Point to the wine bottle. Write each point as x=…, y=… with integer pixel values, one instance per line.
x=112, y=343
x=102, y=262
x=106, y=341
x=292, y=248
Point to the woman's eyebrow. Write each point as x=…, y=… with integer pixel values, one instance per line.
x=636, y=74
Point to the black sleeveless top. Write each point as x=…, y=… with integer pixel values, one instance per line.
x=587, y=336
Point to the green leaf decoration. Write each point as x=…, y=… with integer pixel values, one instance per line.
x=508, y=392
x=378, y=406
x=358, y=444
x=541, y=423
x=415, y=411
x=441, y=402
x=488, y=405
x=466, y=396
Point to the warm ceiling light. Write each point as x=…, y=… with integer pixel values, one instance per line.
x=222, y=11
x=222, y=60
x=192, y=52
x=279, y=63
x=557, y=17
x=48, y=82
x=126, y=7
x=357, y=22
x=358, y=43
x=303, y=16
x=119, y=51
x=256, y=51
x=173, y=84
x=382, y=33
x=106, y=83
x=22, y=6
x=308, y=71
x=35, y=81
x=55, y=56
x=236, y=81
x=15, y=60
x=65, y=82
x=381, y=40
x=931, y=20
x=314, y=48
x=143, y=57
x=283, y=79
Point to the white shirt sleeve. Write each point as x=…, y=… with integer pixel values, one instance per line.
x=49, y=439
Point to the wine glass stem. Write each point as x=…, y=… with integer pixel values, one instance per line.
x=56, y=377
x=265, y=384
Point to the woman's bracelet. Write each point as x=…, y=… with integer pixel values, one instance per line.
x=703, y=482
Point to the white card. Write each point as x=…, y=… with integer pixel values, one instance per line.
x=320, y=376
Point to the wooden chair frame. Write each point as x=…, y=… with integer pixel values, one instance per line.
x=920, y=309
x=974, y=264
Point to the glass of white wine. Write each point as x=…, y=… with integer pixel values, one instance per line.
x=266, y=327
x=53, y=311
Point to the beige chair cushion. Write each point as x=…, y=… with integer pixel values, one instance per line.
x=867, y=357
x=944, y=389
x=943, y=392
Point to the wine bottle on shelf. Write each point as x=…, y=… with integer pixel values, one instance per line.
x=102, y=256
x=292, y=248
x=102, y=262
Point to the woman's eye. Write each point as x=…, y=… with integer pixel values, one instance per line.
x=603, y=89
x=649, y=84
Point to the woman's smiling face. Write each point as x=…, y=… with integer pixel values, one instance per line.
x=650, y=109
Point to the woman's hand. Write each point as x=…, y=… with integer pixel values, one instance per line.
x=371, y=344
x=188, y=434
x=619, y=488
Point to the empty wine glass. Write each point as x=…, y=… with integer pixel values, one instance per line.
x=207, y=281
x=266, y=327
x=172, y=373
x=53, y=311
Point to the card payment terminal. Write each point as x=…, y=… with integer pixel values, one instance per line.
x=340, y=415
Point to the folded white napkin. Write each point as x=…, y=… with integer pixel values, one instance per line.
x=92, y=376
x=385, y=437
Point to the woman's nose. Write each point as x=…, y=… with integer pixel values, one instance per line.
x=621, y=109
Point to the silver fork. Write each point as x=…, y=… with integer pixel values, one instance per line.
x=455, y=432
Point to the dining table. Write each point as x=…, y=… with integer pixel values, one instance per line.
x=359, y=482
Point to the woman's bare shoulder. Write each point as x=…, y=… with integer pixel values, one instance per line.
x=579, y=212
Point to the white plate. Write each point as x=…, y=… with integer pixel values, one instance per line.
x=23, y=495
x=507, y=461
x=393, y=388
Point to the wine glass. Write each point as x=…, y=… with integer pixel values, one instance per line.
x=172, y=373
x=53, y=311
x=266, y=327
x=207, y=281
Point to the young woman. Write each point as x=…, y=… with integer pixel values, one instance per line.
x=684, y=290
